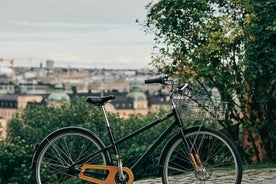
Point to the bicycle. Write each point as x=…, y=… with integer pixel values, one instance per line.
x=195, y=154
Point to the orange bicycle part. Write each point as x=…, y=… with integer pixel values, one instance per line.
x=111, y=177
x=195, y=160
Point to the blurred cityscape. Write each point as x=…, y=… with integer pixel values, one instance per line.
x=47, y=84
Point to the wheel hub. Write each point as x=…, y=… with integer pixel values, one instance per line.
x=73, y=170
x=203, y=174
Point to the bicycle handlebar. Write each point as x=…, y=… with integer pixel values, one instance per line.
x=165, y=81
x=160, y=80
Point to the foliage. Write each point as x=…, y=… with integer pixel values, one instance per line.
x=226, y=44
x=200, y=41
x=34, y=123
x=260, y=73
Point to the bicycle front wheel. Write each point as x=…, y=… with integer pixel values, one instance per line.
x=63, y=153
x=205, y=156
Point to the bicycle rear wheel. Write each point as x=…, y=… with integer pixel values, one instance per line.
x=215, y=155
x=62, y=154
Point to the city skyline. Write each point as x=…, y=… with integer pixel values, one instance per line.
x=94, y=34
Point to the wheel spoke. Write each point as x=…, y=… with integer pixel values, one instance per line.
x=219, y=161
x=58, y=158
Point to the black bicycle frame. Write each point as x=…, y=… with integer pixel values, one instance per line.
x=155, y=144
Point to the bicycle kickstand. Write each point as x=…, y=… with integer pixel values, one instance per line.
x=122, y=176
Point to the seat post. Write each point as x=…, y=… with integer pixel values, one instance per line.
x=111, y=136
x=105, y=115
x=122, y=176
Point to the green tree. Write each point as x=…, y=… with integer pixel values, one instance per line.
x=201, y=41
x=260, y=75
x=208, y=42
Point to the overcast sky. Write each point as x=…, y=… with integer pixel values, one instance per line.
x=87, y=33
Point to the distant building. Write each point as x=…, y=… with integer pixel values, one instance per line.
x=136, y=102
x=3, y=128
x=138, y=98
x=21, y=86
x=11, y=104
x=7, y=88
x=6, y=74
x=58, y=95
x=50, y=64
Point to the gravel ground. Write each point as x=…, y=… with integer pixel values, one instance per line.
x=251, y=176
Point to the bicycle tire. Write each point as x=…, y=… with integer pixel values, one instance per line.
x=221, y=162
x=57, y=154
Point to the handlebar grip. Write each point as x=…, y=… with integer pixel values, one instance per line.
x=156, y=80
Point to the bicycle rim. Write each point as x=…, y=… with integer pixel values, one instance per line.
x=220, y=161
x=56, y=162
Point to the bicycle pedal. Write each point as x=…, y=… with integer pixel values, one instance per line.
x=108, y=176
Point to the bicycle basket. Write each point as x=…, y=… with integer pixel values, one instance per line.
x=199, y=108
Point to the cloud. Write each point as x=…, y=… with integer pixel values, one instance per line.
x=97, y=11
x=103, y=32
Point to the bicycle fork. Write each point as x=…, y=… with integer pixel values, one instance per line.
x=195, y=161
x=193, y=154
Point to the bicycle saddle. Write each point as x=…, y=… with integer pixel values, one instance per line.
x=99, y=101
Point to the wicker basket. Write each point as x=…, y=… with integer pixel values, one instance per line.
x=200, y=108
